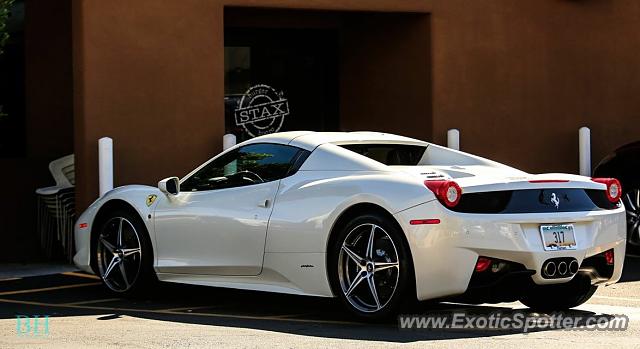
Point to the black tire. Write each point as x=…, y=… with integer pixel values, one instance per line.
x=102, y=255
x=388, y=239
x=631, y=200
x=558, y=297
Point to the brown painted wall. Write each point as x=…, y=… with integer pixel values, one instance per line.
x=149, y=74
x=516, y=77
x=385, y=74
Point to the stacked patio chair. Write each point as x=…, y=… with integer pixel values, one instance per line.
x=56, y=211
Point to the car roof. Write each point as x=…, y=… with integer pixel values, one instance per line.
x=309, y=140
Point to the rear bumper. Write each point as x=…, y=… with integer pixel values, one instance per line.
x=445, y=254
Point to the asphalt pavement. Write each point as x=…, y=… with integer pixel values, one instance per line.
x=72, y=310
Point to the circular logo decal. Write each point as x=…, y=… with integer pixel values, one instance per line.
x=261, y=110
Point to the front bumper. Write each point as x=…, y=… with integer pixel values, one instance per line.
x=445, y=254
x=82, y=236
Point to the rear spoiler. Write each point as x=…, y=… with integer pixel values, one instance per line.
x=473, y=185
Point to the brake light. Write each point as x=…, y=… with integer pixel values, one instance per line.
x=608, y=257
x=549, y=181
x=482, y=264
x=614, y=188
x=448, y=192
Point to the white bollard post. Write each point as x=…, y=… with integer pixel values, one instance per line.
x=584, y=146
x=105, y=164
x=453, y=139
x=228, y=141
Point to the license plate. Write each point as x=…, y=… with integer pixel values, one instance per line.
x=557, y=237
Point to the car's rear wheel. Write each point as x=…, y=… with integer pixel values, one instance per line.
x=122, y=253
x=558, y=297
x=370, y=267
x=631, y=200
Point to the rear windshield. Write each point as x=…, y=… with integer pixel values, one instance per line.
x=390, y=154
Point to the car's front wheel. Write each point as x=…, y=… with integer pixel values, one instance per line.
x=559, y=297
x=370, y=267
x=122, y=253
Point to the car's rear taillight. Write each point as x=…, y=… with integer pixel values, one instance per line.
x=482, y=264
x=614, y=188
x=448, y=192
x=608, y=257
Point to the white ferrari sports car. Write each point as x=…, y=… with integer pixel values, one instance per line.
x=374, y=219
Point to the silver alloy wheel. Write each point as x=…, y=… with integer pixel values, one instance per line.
x=368, y=267
x=119, y=254
x=632, y=204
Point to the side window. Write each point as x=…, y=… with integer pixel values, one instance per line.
x=251, y=164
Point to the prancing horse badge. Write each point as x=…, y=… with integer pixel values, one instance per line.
x=151, y=199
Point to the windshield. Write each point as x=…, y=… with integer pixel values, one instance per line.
x=390, y=154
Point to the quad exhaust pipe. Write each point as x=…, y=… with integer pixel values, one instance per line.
x=563, y=268
x=573, y=267
x=560, y=268
x=549, y=269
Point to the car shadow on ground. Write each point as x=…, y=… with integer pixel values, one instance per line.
x=631, y=270
x=64, y=295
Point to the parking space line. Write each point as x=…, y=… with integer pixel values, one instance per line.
x=49, y=288
x=93, y=301
x=190, y=308
x=619, y=298
x=165, y=312
x=82, y=275
x=10, y=279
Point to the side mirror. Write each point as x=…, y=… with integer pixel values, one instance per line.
x=169, y=185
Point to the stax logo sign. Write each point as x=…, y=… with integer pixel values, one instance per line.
x=261, y=110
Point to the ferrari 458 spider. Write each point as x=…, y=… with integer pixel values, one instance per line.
x=374, y=219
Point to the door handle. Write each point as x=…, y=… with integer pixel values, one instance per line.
x=265, y=203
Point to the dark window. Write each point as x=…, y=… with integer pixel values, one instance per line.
x=390, y=154
x=251, y=164
x=298, y=69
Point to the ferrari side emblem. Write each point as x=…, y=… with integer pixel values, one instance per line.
x=151, y=199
